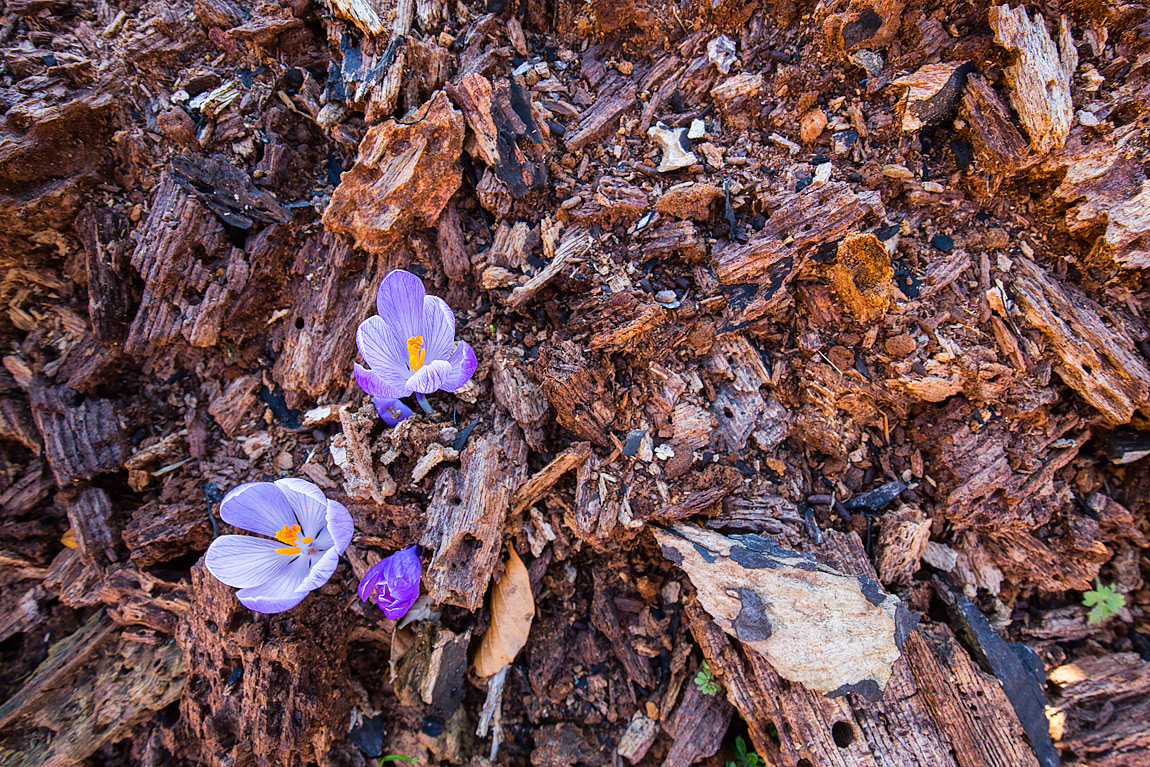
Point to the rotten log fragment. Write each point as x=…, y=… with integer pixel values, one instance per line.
x=832, y=632
x=227, y=191
x=94, y=524
x=507, y=135
x=1017, y=667
x=940, y=709
x=998, y=146
x=862, y=277
x=931, y=94
x=578, y=389
x=1095, y=358
x=543, y=480
x=1099, y=709
x=405, y=173
x=81, y=435
x=615, y=97
x=107, y=249
x=773, y=256
x=465, y=518
x=605, y=617
x=697, y=727
x=1040, y=76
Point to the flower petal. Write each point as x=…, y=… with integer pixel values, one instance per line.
x=438, y=328
x=430, y=377
x=279, y=594
x=307, y=501
x=258, y=507
x=400, y=303
x=381, y=348
x=321, y=571
x=397, y=579
x=463, y=364
x=391, y=411
x=379, y=385
x=241, y=561
x=339, y=525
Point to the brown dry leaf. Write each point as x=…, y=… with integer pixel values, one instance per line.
x=512, y=610
x=68, y=539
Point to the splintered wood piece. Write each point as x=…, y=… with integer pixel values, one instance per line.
x=1100, y=708
x=516, y=391
x=575, y=244
x=1096, y=359
x=681, y=238
x=465, y=517
x=232, y=406
x=615, y=97
x=362, y=13
x=17, y=423
x=638, y=737
x=404, y=175
x=94, y=688
x=160, y=531
x=82, y=436
x=697, y=727
x=931, y=94
x=902, y=540
x=104, y=235
x=577, y=388
x=940, y=709
x=1106, y=186
x=431, y=671
x=605, y=617
x=512, y=612
x=738, y=99
x=543, y=480
x=832, y=632
x=1040, y=76
x=998, y=146
x=94, y=524
x=227, y=191
x=862, y=276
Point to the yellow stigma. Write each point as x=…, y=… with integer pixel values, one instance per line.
x=293, y=536
x=415, y=352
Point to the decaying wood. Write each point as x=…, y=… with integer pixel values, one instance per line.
x=95, y=525
x=574, y=245
x=998, y=145
x=902, y=540
x=465, y=518
x=616, y=97
x=1096, y=359
x=543, y=480
x=577, y=390
x=1100, y=709
x=862, y=276
x=1040, y=77
x=405, y=173
x=81, y=434
x=931, y=94
x=431, y=670
x=832, y=632
x=939, y=708
x=697, y=727
x=94, y=688
x=605, y=617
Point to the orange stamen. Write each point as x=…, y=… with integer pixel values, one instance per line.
x=415, y=353
x=294, y=537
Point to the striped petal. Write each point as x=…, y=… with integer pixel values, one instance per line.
x=258, y=507
x=242, y=561
x=380, y=384
x=463, y=364
x=308, y=503
x=277, y=595
x=438, y=328
x=400, y=303
x=381, y=348
x=430, y=377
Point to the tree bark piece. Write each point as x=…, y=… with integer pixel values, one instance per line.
x=81, y=437
x=465, y=518
x=697, y=727
x=577, y=387
x=543, y=480
x=1097, y=360
x=998, y=146
x=574, y=245
x=605, y=617
x=832, y=632
x=1100, y=710
x=615, y=97
x=404, y=175
x=940, y=710
x=94, y=525
x=931, y=94
x=1040, y=76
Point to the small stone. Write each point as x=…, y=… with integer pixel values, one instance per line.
x=942, y=242
x=900, y=345
x=676, y=147
x=692, y=201
x=721, y=53
x=625, y=67
x=664, y=452
x=897, y=171
x=933, y=186
x=1089, y=119
x=822, y=174
x=284, y=461
x=869, y=60
x=667, y=298
x=697, y=130
x=812, y=125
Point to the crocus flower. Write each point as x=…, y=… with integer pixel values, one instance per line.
x=304, y=534
x=397, y=579
x=410, y=345
x=391, y=411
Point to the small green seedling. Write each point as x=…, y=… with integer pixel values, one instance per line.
x=744, y=759
x=1104, y=601
x=397, y=758
x=705, y=680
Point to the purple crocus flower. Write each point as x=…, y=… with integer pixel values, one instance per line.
x=410, y=345
x=397, y=579
x=391, y=411
x=304, y=535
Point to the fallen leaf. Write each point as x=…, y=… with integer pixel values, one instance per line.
x=68, y=538
x=512, y=611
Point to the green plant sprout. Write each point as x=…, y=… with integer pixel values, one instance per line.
x=1104, y=601
x=705, y=680
x=743, y=758
x=397, y=758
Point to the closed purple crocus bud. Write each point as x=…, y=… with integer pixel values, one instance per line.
x=391, y=411
x=299, y=537
x=395, y=581
x=410, y=345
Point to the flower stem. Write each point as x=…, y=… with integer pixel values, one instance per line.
x=423, y=403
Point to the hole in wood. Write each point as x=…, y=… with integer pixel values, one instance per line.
x=843, y=734
x=456, y=500
x=299, y=323
x=728, y=412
